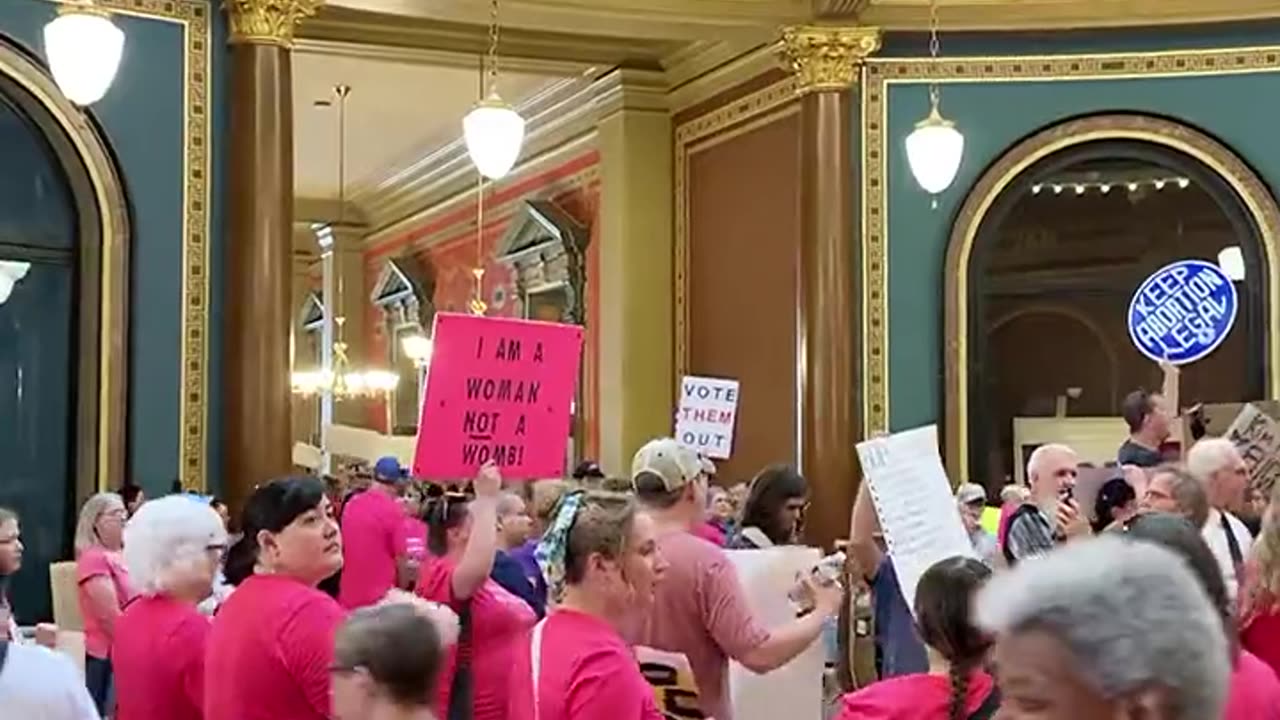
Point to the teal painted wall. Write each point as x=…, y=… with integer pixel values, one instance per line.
x=1238, y=110
x=142, y=119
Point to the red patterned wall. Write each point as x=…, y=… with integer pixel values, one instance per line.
x=446, y=243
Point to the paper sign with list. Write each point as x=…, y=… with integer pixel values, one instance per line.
x=706, y=415
x=913, y=499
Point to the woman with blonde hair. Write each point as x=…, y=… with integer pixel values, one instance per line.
x=103, y=587
x=173, y=550
x=602, y=562
x=1260, y=596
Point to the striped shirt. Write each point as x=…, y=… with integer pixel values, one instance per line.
x=1030, y=533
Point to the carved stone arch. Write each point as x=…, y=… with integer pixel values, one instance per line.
x=1009, y=170
x=546, y=249
x=404, y=292
x=311, y=314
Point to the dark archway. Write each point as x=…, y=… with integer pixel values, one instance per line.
x=1075, y=217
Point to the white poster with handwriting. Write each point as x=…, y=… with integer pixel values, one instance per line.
x=918, y=513
x=795, y=689
x=706, y=415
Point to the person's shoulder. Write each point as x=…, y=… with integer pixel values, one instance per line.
x=38, y=661
x=887, y=698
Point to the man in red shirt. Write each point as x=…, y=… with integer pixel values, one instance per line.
x=374, y=553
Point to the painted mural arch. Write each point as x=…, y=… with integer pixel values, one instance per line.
x=1174, y=138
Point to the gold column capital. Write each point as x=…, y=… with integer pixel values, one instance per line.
x=826, y=58
x=267, y=22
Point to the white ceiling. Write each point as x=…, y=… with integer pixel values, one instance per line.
x=397, y=112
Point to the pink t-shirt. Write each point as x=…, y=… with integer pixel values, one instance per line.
x=415, y=538
x=499, y=620
x=586, y=673
x=700, y=610
x=269, y=652
x=1255, y=692
x=373, y=536
x=913, y=697
x=1261, y=636
x=709, y=532
x=158, y=659
x=92, y=563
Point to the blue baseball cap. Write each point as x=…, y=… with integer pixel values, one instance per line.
x=388, y=469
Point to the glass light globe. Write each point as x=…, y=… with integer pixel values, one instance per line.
x=494, y=132
x=6, y=287
x=1231, y=261
x=84, y=49
x=417, y=348
x=934, y=151
x=11, y=271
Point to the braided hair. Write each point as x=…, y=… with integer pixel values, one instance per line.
x=943, y=610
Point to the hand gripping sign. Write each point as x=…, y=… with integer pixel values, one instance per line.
x=1182, y=312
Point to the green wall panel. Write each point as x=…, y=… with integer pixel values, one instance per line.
x=143, y=119
x=1239, y=110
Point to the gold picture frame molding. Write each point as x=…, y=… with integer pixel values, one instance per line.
x=734, y=118
x=194, y=19
x=879, y=74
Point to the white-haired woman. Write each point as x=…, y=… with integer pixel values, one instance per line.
x=103, y=587
x=1105, y=628
x=173, y=549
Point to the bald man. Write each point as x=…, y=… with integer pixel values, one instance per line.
x=1052, y=515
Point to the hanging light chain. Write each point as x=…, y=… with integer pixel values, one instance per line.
x=934, y=51
x=493, y=47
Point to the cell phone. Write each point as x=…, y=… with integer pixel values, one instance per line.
x=1067, y=493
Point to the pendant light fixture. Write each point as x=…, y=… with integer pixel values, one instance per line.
x=493, y=130
x=935, y=148
x=84, y=48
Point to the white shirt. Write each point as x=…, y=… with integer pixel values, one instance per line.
x=1216, y=538
x=39, y=684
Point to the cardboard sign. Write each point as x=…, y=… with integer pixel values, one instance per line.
x=795, y=689
x=913, y=499
x=1257, y=437
x=501, y=390
x=671, y=676
x=706, y=415
x=1182, y=312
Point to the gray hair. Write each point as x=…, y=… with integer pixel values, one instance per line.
x=168, y=534
x=1209, y=456
x=1038, y=455
x=1013, y=493
x=93, y=508
x=1188, y=493
x=509, y=503
x=1131, y=614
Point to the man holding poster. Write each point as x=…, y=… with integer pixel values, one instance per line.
x=499, y=390
x=700, y=610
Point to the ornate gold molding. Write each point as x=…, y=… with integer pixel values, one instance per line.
x=193, y=18
x=882, y=74
x=267, y=22
x=826, y=59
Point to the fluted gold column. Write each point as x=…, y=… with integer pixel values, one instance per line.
x=827, y=62
x=257, y=433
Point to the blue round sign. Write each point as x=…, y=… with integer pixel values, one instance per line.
x=1183, y=311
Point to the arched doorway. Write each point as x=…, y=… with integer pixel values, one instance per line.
x=63, y=308
x=1058, y=233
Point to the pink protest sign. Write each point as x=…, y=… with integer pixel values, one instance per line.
x=501, y=390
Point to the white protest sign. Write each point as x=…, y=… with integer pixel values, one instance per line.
x=795, y=689
x=706, y=415
x=1257, y=437
x=918, y=513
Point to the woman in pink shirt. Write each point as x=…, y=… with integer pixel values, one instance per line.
x=270, y=651
x=1254, y=693
x=462, y=536
x=173, y=549
x=956, y=686
x=103, y=588
x=1260, y=596
x=601, y=559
